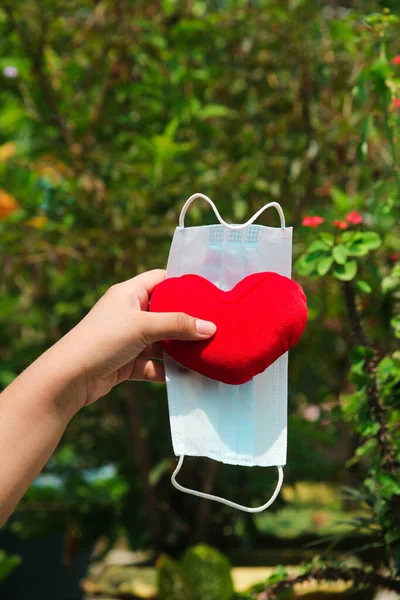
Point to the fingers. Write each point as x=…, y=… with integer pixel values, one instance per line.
x=148, y=280
x=174, y=326
x=147, y=370
x=141, y=287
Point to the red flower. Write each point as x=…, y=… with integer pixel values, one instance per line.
x=341, y=224
x=354, y=218
x=394, y=256
x=396, y=103
x=396, y=60
x=312, y=221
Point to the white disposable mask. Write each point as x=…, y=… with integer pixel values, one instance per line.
x=234, y=424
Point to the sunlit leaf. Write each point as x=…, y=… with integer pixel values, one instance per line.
x=346, y=272
x=364, y=287
x=339, y=254
x=324, y=265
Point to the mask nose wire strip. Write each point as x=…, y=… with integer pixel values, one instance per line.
x=221, y=220
x=247, y=509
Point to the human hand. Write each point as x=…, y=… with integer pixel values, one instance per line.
x=117, y=340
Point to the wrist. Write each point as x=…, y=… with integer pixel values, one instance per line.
x=55, y=381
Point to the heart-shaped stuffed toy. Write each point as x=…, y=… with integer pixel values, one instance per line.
x=257, y=321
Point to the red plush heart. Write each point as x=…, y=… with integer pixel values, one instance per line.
x=257, y=321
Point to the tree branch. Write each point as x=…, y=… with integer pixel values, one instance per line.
x=204, y=507
x=377, y=410
x=140, y=456
x=354, y=575
x=356, y=325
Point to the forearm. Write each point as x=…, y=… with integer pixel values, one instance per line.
x=34, y=413
x=116, y=341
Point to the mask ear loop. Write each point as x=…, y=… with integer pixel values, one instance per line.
x=247, y=509
x=177, y=485
x=221, y=220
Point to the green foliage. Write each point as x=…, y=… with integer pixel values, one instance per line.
x=311, y=510
x=280, y=574
x=388, y=376
x=116, y=112
x=171, y=584
x=290, y=523
x=8, y=563
x=338, y=255
x=91, y=499
x=202, y=574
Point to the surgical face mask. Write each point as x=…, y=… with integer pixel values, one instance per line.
x=234, y=424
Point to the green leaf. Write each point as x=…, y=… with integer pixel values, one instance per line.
x=363, y=286
x=341, y=200
x=357, y=248
x=315, y=252
x=390, y=284
x=339, y=254
x=7, y=564
x=367, y=430
x=371, y=239
x=357, y=373
x=318, y=246
x=390, y=485
x=355, y=243
x=159, y=471
x=369, y=446
x=395, y=323
x=168, y=7
x=328, y=238
x=279, y=574
x=380, y=71
x=324, y=264
x=346, y=272
x=212, y=111
x=360, y=352
x=392, y=536
x=314, y=257
x=350, y=236
x=360, y=91
x=304, y=268
x=6, y=377
x=171, y=128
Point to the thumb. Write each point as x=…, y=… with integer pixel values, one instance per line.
x=175, y=326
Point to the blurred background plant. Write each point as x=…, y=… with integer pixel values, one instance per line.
x=111, y=114
x=7, y=564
